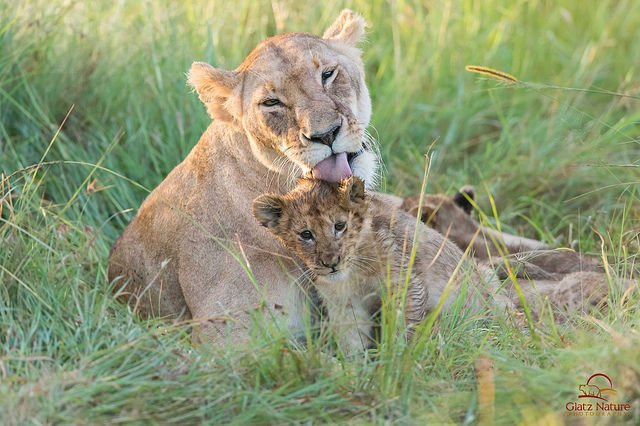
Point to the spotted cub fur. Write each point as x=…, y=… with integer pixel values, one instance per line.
x=354, y=244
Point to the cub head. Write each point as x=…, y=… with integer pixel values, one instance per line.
x=302, y=102
x=319, y=221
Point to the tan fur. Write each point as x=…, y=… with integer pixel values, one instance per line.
x=574, y=292
x=194, y=249
x=350, y=266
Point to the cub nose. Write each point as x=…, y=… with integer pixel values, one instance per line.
x=332, y=262
x=325, y=138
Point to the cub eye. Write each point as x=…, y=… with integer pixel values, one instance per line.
x=326, y=75
x=340, y=226
x=306, y=235
x=271, y=102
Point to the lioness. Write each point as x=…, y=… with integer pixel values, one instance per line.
x=451, y=216
x=569, y=280
x=353, y=244
x=297, y=106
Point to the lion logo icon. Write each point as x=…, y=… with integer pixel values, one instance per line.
x=590, y=390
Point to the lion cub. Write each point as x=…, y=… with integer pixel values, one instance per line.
x=353, y=244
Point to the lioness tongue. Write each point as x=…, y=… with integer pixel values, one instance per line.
x=333, y=168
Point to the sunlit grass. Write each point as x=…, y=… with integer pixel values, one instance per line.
x=560, y=157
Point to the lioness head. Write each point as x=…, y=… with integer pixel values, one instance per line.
x=450, y=216
x=302, y=102
x=319, y=221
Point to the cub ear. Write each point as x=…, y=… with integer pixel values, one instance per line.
x=347, y=28
x=353, y=189
x=215, y=88
x=464, y=198
x=427, y=214
x=267, y=209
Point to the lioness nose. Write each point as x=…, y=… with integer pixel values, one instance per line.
x=325, y=138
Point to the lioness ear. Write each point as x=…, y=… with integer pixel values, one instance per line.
x=353, y=189
x=464, y=198
x=347, y=28
x=215, y=88
x=428, y=214
x=267, y=208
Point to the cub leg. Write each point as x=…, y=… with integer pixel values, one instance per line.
x=416, y=307
x=350, y=320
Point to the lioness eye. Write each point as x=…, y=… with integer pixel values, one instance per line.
x=326, y=75
x=271, y=102
x=306, y=235
x=340, y=226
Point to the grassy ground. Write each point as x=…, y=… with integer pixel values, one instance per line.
x=563, y=166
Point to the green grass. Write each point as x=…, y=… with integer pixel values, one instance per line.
x=562, y=165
